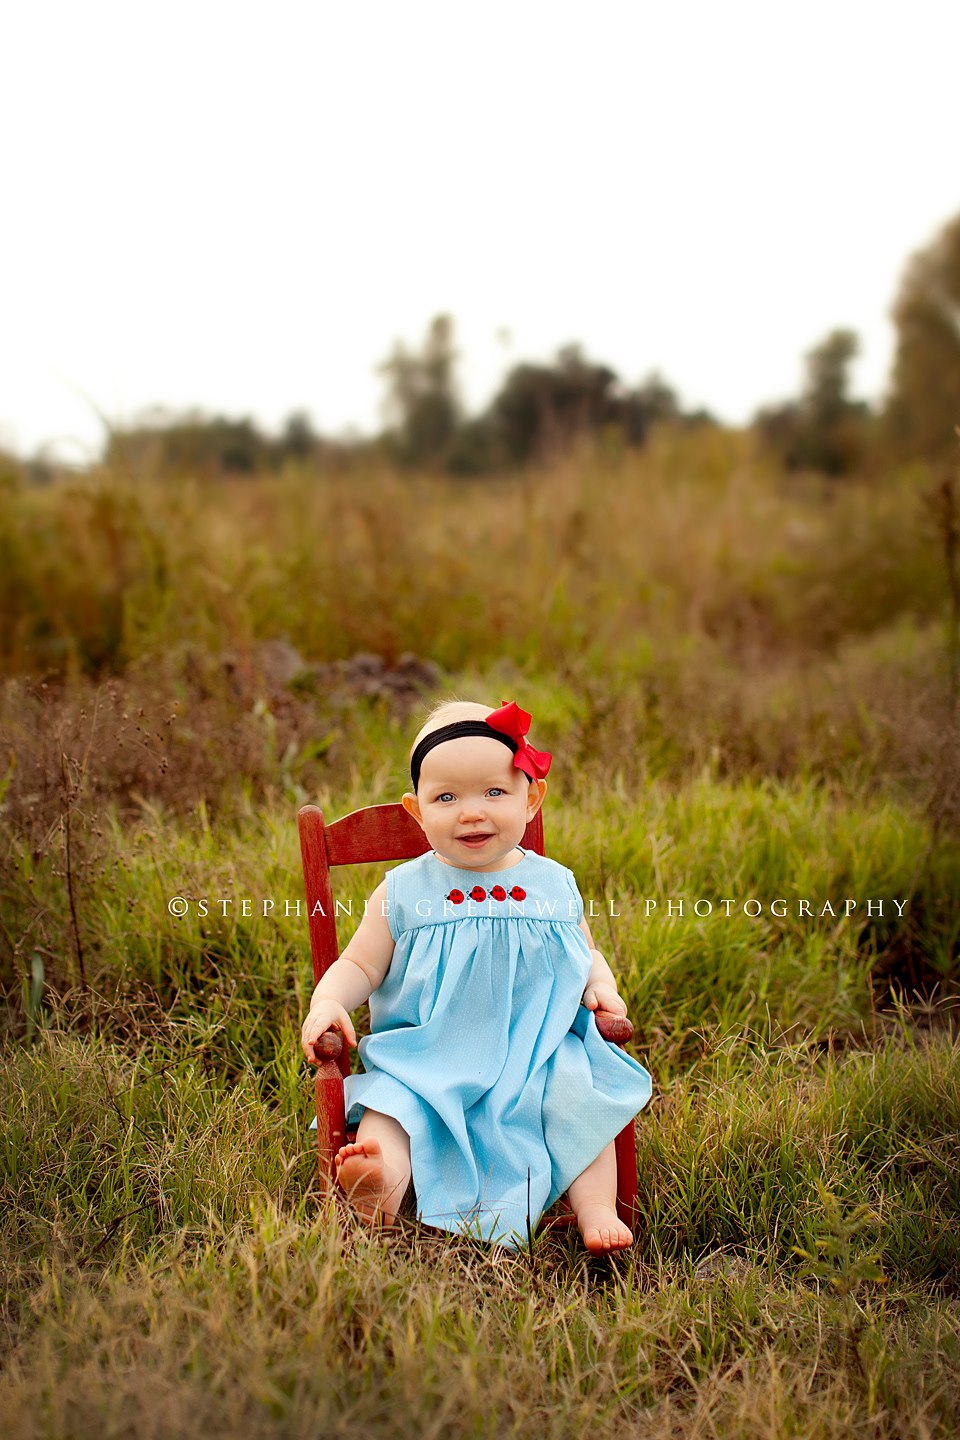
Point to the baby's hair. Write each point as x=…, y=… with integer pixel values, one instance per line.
x=447, y=712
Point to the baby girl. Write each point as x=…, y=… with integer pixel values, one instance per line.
x=485, y=1078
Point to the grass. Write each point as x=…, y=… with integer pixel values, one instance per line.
x=746, y=682
x=165, y=1254
x=221, y=971
x=703, y=540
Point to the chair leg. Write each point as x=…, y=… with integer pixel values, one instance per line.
x=626, y=1151
x=331, y=1121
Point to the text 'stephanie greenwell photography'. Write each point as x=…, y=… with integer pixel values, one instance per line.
x=480, y=723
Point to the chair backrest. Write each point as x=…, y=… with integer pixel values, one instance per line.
x=377, y=832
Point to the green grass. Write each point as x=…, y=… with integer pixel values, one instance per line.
x=164, y=1251
x=745, y=682
x=765, y=845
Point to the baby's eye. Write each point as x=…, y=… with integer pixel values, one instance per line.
x=496, y=790
x=447, y=795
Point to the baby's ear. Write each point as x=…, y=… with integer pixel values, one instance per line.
x=411, y=804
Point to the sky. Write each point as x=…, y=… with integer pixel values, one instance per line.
x=239, y=207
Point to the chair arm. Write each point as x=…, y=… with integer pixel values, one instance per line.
x=329, y=1046
x=615, y=1028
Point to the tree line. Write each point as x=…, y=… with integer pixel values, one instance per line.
x=540, y=408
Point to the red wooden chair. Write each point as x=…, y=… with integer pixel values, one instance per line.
x=387, y=832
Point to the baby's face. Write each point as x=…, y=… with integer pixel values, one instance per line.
x=473, y=802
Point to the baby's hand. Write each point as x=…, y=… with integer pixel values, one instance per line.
x=604, y=997
x=326, y=1015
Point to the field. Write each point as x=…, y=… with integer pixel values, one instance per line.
x=749, y=682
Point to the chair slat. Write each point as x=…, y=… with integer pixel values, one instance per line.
x=377, y=832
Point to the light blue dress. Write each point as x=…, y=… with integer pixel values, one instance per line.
x=480, y=1048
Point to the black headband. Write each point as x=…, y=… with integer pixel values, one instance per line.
x=450, y=732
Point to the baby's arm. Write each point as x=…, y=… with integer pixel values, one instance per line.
x=601, y=991
x=352, y=978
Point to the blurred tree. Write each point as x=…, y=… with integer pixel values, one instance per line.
x=476, y=449
x=833, y=428
x=540, y=408
x=824, y=430
x=298, y=440
x=827, y=392
x=651, y=401
x=190, y=443
x=422, y=400
x=924, y=401
x=197, y=444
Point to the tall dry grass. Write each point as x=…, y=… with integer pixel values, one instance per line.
x=686, y=606
x=604, y=550
x=749, y=685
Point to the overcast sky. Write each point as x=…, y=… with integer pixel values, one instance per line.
x=239, y=207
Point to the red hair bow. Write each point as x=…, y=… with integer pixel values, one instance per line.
x=511, y=720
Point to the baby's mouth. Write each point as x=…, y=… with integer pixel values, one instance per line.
x=474, y=841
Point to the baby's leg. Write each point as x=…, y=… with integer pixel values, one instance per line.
x=374, y=1171
x=593, y=1198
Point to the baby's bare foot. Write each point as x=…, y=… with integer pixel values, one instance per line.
x=602, y=1229
x=361, y=1177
